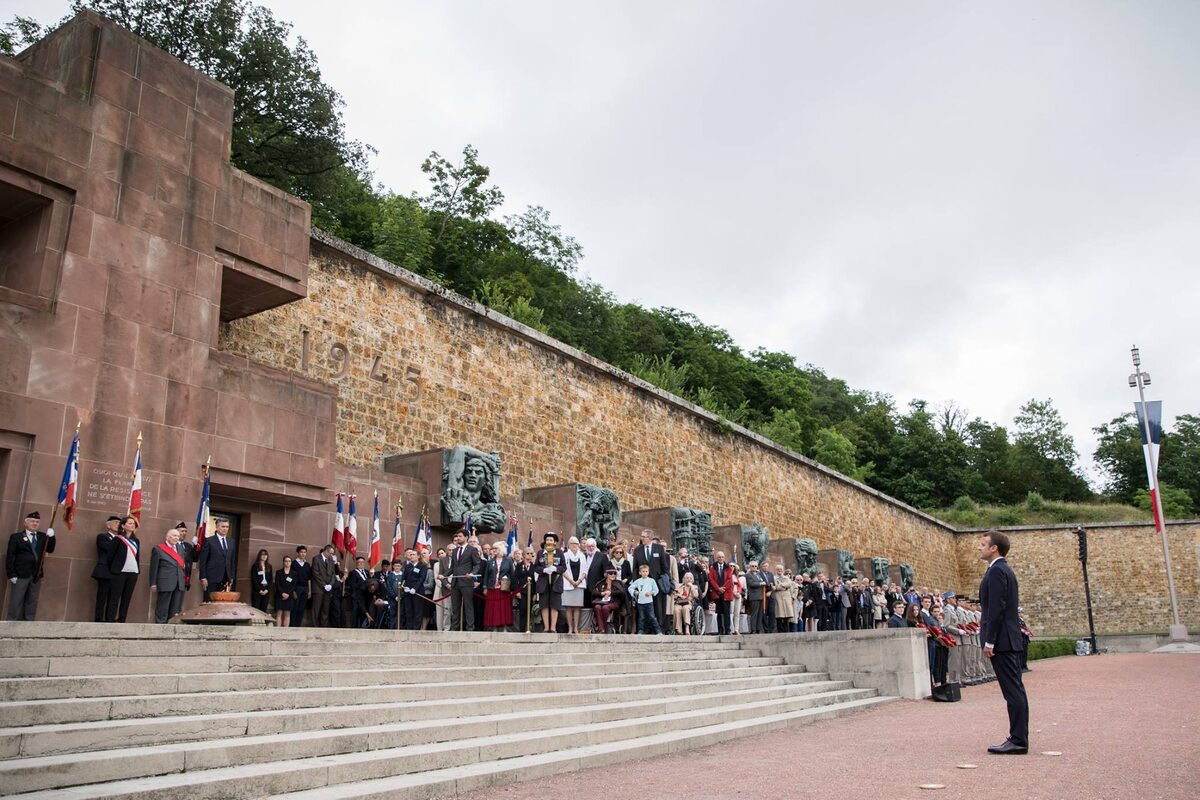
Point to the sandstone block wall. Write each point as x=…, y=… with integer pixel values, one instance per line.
x=1125, y=569
x=417, y=367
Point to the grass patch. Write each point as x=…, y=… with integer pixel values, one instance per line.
x=964, y=514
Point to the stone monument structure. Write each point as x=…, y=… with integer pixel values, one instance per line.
x=906, y=576
x=879, y=570
x=835, y=562
x=597, y=514
x=471, y=488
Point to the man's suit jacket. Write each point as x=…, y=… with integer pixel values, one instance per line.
x=189, y=560
x=521, y=574
x=164, y=572
x=21, y=559
x=303, y=572
x=324, y=570
x=843, y=596
x=105, y=542
x=470, y=562
x=356, y=583
x=897, y=622
x=755, y=586
x=659, y=562
x=216, y=562
x=719, y=589
x=600, y=563
x=1000, y=625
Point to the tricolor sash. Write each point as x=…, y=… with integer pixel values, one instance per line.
x=170, y=551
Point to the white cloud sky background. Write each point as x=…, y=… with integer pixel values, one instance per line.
x=967, y=202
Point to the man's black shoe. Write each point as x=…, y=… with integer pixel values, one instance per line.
x=1008, y=749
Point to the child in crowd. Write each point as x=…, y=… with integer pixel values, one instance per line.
x=643, y=591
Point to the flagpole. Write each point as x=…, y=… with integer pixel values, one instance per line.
x=1140, y=379
x=54, y=511
x=133, y=478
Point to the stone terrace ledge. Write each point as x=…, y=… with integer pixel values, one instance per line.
x=893, y=660
x=421, y=284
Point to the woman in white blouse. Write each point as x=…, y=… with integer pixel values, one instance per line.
x=574, y=582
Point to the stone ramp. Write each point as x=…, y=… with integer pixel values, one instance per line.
x=180, y=711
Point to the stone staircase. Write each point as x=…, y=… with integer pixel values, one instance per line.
x=190, y=712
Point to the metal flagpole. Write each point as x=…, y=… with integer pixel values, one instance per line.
x=1139, y=379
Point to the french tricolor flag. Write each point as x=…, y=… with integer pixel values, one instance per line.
x=70, y=482
x=374, y=555
x=339, y=522
x=135, y=489
x=1151, y=417
x=351, y=532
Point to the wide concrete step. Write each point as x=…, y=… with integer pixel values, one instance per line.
x=63, y=666
x=451, y=698
x=479, y=717
x=386, y=643
x=438, y=767
x=22, y=689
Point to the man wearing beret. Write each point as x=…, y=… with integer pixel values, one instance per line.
x=23, y=566
x=106, y=540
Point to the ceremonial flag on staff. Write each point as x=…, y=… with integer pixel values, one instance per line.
x=1153, y=414
x=423, y=543
x=469, y=526
x=351, y=532
x=529, y=544
x=204, y=513
x=373, y=556
x=338, y=523
x=396, y=551
x=512, y=535
x=70, y=480
x=135, y=489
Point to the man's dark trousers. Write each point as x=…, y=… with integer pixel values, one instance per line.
x=1007, y=666
x=722, y=616
x=462, y=600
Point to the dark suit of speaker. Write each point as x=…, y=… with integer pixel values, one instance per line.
x=216, y=563
x=1000, y=627
x=463, y=569
x=166, y=576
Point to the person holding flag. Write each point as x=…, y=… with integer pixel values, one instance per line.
x=22, y=566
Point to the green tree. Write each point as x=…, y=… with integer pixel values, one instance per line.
x=19, y=33
x=1044, y=457
x=518, y=308
x=1119, y=455
x=401, y=235
x=544, y=240
x=1176, y=503
x=1180, y=451
x=458, y=190
x=661, y=372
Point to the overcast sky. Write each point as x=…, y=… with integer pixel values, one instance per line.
x=973, y=202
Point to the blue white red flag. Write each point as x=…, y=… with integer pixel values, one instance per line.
x=204, y=513
x=422, y=543
x=135, y=488
x=70, y=482
x=351, y=532
x=1150, y=448
x=339, y=523
x=512, y=535
x=374, y=555
x=397, y=552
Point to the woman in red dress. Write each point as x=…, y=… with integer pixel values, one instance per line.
x=497, y=580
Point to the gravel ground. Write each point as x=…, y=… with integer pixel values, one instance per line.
x=1127, y=725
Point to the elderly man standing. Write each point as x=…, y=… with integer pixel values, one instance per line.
x=655, y=557
x=167, y=569
x=23, y=564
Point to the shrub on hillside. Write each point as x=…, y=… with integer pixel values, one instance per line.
x=1051, y=648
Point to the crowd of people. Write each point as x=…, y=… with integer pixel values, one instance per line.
x=640, y=587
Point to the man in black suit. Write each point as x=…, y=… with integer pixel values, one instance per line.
x=356, y=587
x=303, y=570
x=22, y=566
x=217, y=559
x=841, y=604
x=524, y=576
x=1000, y=634
x=462, y=571
x=654, y=556
x=166, y=577
x=597, y=564
x=106, y=540
x=325, y=568
x=897, y=620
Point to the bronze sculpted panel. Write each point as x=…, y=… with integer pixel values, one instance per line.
x=597, y=514
x=754, y=543
x=906, y=576
x=471, y=488
x=879, y=570
x=806, y=556
x=692, y=529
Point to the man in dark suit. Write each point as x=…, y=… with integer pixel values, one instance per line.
x=217, y=560
x=356, y=587
x=1000, y=634
x=22, y=566
x=303, y=569
x=897, y=620
x=597, y=564
x=654, y=556
x=462, y=572
x=411, y=584
x=524, y=576
x=106, y=540
x=166, y=577
x=324, y=570
x=720, y=590
x=841, y=604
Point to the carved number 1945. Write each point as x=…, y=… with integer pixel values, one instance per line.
x=339, y=358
